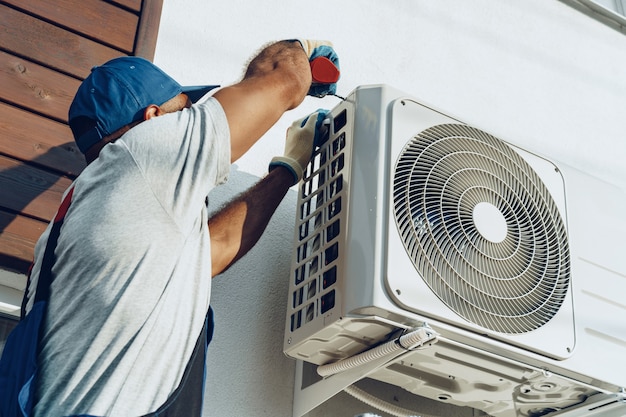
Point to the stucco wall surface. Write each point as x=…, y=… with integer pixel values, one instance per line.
x=536, y=72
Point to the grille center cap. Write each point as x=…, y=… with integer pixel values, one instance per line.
x=489, y=222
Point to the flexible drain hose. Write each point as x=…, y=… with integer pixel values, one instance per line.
x=420, y=338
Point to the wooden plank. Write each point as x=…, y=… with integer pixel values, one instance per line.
x=98, y=20
x=148, y=29
x=35, y=87
x=29, y=229
x=42, y=42
x=39, y=140
x=29, y=190
x=18, y=235
x=129, y=4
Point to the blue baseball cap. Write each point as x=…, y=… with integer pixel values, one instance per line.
x=117, y=93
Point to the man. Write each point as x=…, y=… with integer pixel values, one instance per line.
x=126, y=322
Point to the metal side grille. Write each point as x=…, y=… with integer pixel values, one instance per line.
x=318, y=225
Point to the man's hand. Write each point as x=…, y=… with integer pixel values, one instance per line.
x=321, y=49
x=301, y=138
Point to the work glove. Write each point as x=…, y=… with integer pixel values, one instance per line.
x=302, y=137
x=324, y=66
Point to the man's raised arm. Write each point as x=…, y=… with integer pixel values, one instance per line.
x=276, y=80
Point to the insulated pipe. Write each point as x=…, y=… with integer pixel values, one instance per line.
x=413, y=340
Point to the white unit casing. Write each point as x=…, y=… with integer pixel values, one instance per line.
x=408, y=216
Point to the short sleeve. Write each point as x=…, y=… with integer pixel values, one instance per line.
x=183, y=156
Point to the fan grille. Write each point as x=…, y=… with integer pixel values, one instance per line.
x=511, y=282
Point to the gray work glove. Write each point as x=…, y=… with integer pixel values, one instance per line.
x=302, y=136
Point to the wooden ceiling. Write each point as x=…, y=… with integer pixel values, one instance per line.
x=46, y=48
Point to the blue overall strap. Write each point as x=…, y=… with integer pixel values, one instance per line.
x=18, y=365
x=45, y=273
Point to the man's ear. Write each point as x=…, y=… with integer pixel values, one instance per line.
x=152, y=111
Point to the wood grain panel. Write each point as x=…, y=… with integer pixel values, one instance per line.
x=25, y=35
x=148, y=29
x=39, y=140
x=96, y=19
x=46, y=48
x=35, y=87
x=29, y=190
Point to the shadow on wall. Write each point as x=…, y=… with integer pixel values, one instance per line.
x=245, y=360
x=30, y=194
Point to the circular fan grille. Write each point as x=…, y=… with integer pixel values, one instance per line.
x=481, y=228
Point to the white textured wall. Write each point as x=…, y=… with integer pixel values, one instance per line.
x=534, y=72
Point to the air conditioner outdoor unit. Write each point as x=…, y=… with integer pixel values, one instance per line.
x=408, y=216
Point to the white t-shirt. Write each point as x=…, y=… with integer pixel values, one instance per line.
x=133, y=268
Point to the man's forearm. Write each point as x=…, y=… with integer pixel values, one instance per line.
x=239, y=225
